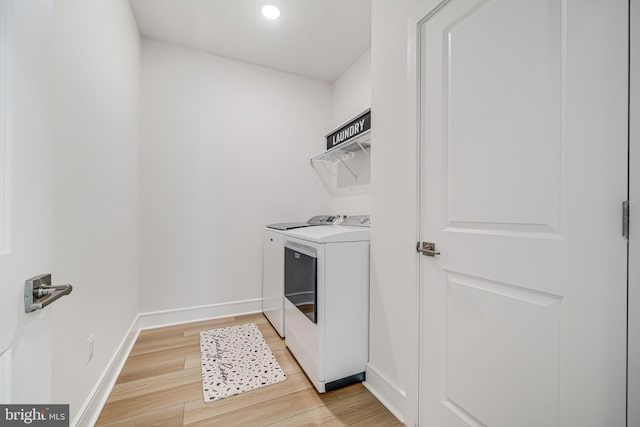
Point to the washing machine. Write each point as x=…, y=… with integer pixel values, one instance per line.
x=326, y=305
x=273, y=266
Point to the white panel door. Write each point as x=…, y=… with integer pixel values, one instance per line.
x=25, y=199
x=523, y=119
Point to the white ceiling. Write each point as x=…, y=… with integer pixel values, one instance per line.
x=312, y=38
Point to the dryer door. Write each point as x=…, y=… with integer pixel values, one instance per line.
x=301, y=278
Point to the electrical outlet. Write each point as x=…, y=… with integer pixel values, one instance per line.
x=89, y=348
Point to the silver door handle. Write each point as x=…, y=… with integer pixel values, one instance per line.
x=427, y=248
x=38, y=292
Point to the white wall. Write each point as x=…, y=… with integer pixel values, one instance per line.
x=350, y=96
x=351, y=92
x=96, y=86
x=225, y=150
x=393, y=340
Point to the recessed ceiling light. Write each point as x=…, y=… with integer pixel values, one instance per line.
x=270, y=10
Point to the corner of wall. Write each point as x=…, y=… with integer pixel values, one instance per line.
x=351, y=95
x=90, y=411
x=392, y=371
x=389, y=394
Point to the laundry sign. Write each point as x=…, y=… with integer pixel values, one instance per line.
x=355, y=127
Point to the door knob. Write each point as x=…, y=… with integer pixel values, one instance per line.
x=38, y=292
x=427, y=248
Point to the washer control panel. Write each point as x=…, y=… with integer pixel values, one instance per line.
x=358, y=221
x=326, y=219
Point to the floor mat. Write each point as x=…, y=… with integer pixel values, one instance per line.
x=236, y=359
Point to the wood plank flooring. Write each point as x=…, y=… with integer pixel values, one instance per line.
x=160, y=386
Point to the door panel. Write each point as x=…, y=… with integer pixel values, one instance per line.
x=523, y=141
x=486, y=344
x=509, y=105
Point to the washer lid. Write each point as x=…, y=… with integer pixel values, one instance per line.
x=288, y=225
x=331, y=234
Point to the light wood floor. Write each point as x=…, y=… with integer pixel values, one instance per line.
x=160, y=385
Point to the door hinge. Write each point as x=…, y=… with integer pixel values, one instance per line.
x=625, y=219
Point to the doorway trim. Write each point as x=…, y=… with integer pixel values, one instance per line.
x=414, y=66
x=633, y=326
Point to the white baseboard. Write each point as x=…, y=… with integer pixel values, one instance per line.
x=392, y=397
x=158, y=319
x=90, y=411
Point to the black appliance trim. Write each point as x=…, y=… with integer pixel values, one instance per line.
x=343, y=382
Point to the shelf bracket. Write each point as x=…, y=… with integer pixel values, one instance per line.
x=364, y=150
x=324, y=164
x=349, y=169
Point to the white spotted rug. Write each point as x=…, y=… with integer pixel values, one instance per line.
x=236, y=359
